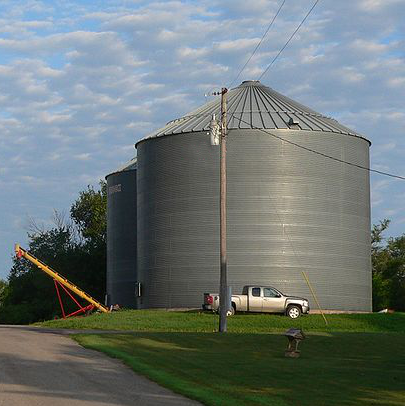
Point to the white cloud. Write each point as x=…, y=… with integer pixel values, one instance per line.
x=378, y=189
x=377, y=5
x=350, y=74
x=49, y=118
x=369, y=47
x=82, y=157
x=396, y=82
x=236, y=45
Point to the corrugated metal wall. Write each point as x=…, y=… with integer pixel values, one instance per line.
x=121, y=238
x=277, y=193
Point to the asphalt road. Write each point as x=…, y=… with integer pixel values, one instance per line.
x=45, y=368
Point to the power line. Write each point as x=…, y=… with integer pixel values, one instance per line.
x=322, y=154
x=285, y=45
x=258, y=45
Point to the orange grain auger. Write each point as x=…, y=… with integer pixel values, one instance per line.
x=63, y=283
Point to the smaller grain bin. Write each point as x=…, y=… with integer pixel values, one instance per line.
x=121, y=235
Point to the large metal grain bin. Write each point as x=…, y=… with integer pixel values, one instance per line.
x=121, y=235
x=289, y=209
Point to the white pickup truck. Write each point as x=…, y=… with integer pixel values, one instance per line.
x=265, y=299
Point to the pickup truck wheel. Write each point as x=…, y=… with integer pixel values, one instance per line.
x=231, y=311
x=293, y=312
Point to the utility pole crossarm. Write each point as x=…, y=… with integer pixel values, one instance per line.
x=21, y=252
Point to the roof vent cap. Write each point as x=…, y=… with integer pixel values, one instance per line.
x=293, y=121
x=250, y=83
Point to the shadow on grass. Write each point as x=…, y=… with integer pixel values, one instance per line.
x=250, y=369
x=389, y=322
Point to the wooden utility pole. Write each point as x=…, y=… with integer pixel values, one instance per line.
x=223, y=285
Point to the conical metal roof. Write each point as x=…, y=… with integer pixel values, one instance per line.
x=129, y=166
x=252, y=105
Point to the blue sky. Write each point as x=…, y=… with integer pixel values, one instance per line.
x=81, y=82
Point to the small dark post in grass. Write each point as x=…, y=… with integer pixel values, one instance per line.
x=294, y=336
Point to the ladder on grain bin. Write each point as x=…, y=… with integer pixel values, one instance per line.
x=61, y=282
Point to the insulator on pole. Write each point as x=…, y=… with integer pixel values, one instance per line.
x=215, y=131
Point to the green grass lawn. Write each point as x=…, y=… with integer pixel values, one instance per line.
x=164, y=321
x=358, y=359
x=250, y=369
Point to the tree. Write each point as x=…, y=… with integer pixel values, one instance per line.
x=3, y=289
x=378, y=258
x=74, y=247
x=89, y=212
x=394, y=272
x=377, y=235
x=388, y=262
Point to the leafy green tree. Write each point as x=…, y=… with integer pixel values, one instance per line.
x=89, y=212
x=31, y=295
x=379, y=257
x=394, y=272
x=377, y=237
x=388, y=261
x=3, y=290
x=75, y=247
